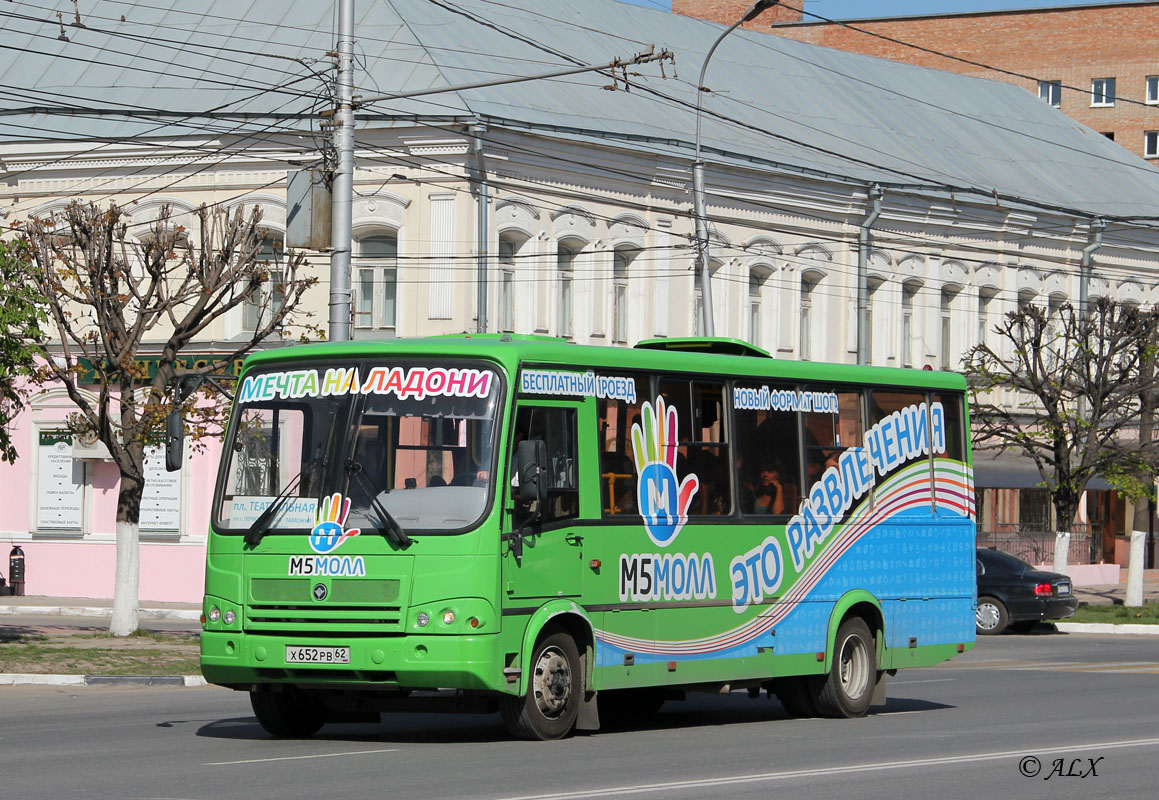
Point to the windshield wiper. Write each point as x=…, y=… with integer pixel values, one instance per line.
x=262, y=524
x=390, y=527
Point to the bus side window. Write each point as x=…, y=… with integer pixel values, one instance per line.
x=768, y=461
x=952, y=408
x=556, y=427
x=703, y=439
x=617, y=470
x=830, y=432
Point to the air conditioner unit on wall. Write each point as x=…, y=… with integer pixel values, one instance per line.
x=90, y=448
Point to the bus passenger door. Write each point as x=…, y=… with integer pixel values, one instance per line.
x=543, y=549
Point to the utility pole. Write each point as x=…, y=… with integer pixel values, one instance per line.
x=343, y=189
x=1142, y=525
x=699, y=203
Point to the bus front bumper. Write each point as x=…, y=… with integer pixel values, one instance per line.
x=471, y=662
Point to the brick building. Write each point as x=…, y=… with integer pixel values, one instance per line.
x=1096, y=63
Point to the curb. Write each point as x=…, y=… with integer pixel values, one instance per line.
x=1107, y=627
x=30, y=679
x=85, y=611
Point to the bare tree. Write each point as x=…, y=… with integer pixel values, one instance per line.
x=110, y=294
x=1063, y=390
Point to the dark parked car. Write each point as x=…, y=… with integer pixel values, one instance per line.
x=1012, y=594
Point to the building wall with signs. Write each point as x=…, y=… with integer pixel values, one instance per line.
x=598, y=259
x=60, y=506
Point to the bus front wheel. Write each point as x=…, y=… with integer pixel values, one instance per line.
x=549, y=708
x=289, y=713
x=847, y=690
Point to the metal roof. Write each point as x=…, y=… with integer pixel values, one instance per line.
x=239, y=66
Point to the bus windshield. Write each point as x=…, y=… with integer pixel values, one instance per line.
x=413, y=443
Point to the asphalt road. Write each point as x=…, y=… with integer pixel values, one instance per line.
x=1078, y=705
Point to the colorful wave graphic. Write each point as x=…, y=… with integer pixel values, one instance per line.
x=907, y=489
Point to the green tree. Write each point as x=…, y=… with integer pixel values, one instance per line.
x=21, y=334
x=1064, y=391
x=112, y=296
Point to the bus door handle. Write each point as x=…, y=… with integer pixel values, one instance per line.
x=574, y=539
x=514, y=541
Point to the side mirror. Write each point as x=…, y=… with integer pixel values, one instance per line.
x=531, y=467
x=174, y=440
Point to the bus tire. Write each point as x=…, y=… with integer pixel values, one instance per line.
x=847, y=690
x=795, y=696
x=991, y=618
x=289, y=713
x=549, y=707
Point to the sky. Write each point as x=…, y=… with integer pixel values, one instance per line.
x=852, y=9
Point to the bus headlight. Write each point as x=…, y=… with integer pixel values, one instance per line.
x=228, y=617
x=424, y=619
x=214, y=614
x=448, y=617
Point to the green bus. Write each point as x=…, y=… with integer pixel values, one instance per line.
x=556, y=531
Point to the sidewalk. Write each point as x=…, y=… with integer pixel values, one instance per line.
x=97, y=608
x=1114, y=593
x=83, y=614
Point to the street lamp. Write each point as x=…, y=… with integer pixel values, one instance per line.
x=698, y=201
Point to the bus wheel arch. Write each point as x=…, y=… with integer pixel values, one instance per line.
x=853, y=679
x=862, y=604
x=555, y=678
x=569, y=617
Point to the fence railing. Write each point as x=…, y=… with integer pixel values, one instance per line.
x=1036, y=546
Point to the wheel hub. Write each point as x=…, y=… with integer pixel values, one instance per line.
x=552, y=682
x=987, y=616
x=854, y=667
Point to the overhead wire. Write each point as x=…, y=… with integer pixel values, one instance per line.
x=456, y=176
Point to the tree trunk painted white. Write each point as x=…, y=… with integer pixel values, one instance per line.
x=1061, y=551
x=126, y=589
x=1135, y=570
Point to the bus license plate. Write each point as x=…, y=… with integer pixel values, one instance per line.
x=317, y=655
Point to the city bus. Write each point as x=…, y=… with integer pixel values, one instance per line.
x=558, y=532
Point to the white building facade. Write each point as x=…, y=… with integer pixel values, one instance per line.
x=586, y=233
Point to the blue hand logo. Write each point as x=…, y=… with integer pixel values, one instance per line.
x=663, y=499
x=329, y=518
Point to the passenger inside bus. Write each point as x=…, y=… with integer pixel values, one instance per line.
x=769, y=494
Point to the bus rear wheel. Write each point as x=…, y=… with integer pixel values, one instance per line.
x=549, y=707
x=847, y=690
x=289, y=713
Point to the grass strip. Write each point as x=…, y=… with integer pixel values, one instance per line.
x=99, y=654
x=1146, y=614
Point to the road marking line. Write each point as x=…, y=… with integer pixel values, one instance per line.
x=643, y=788
x=298, y=758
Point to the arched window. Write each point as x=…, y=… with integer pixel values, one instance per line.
x=566, y=252
x=260, y=307
x=949, y=294
x=376, y=282
x=622, y=258
x=757, y=278
x=509, y=247
x=909, y=291
x=986, y=295
x=874, y=284
x=809, y=284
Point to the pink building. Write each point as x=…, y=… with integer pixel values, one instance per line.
x=58, y=503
